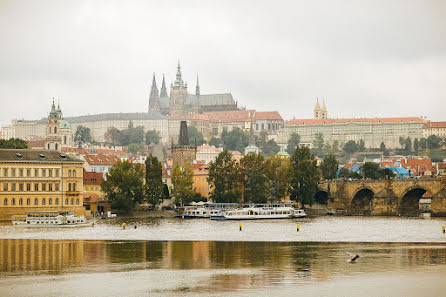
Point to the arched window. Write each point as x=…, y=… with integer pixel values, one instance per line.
x=74, y=187
x=69, y=173
x=21, y=201
x=55, y=129
x=56, y=146
x=50, y=201
x=69, y=187
x=65, y=139
x=77, y=201
x=48, y=146
x=72, y=201
x=36, y=201
x=43, y=201
x=74, y=173
x=5, y=202
x=66, y=201
x=56, y=201
x=28, y=201
x=13, y=201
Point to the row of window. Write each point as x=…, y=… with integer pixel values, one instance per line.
x=92, y=189
x=21, y=172
x=44, y=187
x=12, y=201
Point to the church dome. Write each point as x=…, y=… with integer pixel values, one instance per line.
x=64, y=124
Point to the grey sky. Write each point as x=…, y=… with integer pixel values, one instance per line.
x=365, y=58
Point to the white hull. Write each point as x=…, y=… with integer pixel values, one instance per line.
x=260, y=213
x=89, y=224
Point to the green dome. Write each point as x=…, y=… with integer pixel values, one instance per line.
x=64, y=125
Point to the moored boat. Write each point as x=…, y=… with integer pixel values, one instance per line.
x=50, y=218
x=259, y=213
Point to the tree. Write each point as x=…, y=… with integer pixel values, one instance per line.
x=224, y=178
x=135, y=148
x=112, y=135
x=318, y=142
x=270, y=148
x=402, y=141
x=154, y=181
x=304, y=176
x=408, y=145
x=195, y=136
x=82, y=134
x=416, y=145
x=236, y=140
x=254, y=179
x=217, y=142
x=335, y=146
x=371, y=170
x=278, y=178
x=13, y=143
x=422, y=144
x=433, y=142
x=182, y=181
x=152, y=137
x=345, y=173
x=293, y=142
x=123, y=185
x=329, y=167
x=350, y=147
x=361, y=145
x=382, y=146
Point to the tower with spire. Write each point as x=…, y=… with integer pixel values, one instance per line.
x=178, y=93
x=154, y=99
x=183, y=153
x=320, y=112
x=197, y=88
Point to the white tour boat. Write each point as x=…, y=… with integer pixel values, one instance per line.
x=195, y=212
x=50, y=218
x=259, y=213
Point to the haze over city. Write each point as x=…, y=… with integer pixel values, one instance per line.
x=365, y=58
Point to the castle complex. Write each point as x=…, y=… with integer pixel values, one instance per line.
x=180, y=102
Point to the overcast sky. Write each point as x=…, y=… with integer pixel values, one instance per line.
x=365, y=58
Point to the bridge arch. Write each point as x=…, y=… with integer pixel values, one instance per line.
x=409, y=201
x=321, y=197
x=361, y=202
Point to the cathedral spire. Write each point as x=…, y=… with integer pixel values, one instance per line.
x=178, y=81
x=154, y=97
x=197, y=88
x=163, y=88
x=324, y=108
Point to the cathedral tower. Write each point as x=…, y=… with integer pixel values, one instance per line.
x=53, y=139
x=154, y=99
x=178, y=93
x=320, y=113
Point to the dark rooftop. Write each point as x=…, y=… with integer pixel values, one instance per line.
x=35, y=155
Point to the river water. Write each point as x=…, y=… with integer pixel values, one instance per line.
x=175, y=257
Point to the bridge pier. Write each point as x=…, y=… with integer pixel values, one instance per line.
x=438, y=204
x=385, y=203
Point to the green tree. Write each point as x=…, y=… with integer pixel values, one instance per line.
x=195, y=135
x=402, y=141
x=278, y=178
x=123, y=185
x=416, y=145
x=329, y=167
x=152, y=137
x=408, y=145
x=254, y=179
x=270, y=148
x=112, y=135
x=235, y=140
x=345, y=173
x=224, y=179
x=372, y=170
x=382, y=146
x=433, y=142
x=350, y=147
x=182, y=181
x=361, y=145
x=217, y=142
x=335, y=146
x=293, y=142
x=304, y=176
x=13, y=143
x=154, y=181
x=423, y=143
x=135, y=148
x=318, y=143
x=82, y=134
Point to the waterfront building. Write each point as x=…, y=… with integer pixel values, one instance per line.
x=39, y=180
x=99, y=163
x=200, y=180
x=183, y=153
x=434, y=128
x=181, y=102
x=92, y=182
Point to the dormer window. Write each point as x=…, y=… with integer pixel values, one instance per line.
x=19, y=155
x=42, y=156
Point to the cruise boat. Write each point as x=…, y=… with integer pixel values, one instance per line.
x=50, y=218
x=259, y=213
x=206, y=210
x=195, y=212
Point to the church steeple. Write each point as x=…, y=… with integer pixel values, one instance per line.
x=154, y=97
x=317, y=110
x=163, y=88
x=197, y=88
x=178, y=81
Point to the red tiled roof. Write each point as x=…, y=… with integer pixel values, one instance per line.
x=207, y=147
x=361, y=120
x=267, y=115
x=36, y=143
x=92, y=178
x=101, y=159
x=435, y=125
x=91, y=198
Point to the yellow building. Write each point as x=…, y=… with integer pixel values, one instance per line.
x=200, y=181
x=39, y=180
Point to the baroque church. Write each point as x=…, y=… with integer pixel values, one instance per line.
x=180, y=102
x=58, y=132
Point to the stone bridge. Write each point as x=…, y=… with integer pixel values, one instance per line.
x=384, y=197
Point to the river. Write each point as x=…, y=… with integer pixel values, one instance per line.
x=175, y=257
